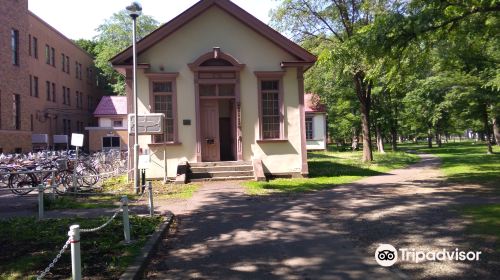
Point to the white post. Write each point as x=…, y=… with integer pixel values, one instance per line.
x=53, y=184
x=40, y=202
x=136, y=118
x=150, y=193
x=126, y=223
x=76, y=262
x=74, y=171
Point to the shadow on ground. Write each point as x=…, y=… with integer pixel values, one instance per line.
x=330, y=234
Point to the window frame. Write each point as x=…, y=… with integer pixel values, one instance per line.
x=47, y=54
x=309, y=120
x=14, y=43
x=16, y=111
x=169, y=78
x=265, y=76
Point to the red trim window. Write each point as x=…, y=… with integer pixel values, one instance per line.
x=163, y=101
x=271, y=108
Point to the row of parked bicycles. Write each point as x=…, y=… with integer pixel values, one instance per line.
x=22, y=173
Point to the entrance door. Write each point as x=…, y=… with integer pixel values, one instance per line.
x=209, y=113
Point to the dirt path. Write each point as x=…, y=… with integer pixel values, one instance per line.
x=331, y=234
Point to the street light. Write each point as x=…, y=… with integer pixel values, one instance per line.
x=134, y=11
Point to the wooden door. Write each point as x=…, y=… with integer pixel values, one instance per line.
x=210, y=144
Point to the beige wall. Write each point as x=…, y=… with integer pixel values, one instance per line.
x=95, y=138
x=215, y=28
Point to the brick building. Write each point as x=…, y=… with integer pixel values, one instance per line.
x=48, y=84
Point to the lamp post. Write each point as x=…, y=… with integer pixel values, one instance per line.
x=134, y=11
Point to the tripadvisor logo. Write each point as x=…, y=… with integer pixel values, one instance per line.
x=386, y=255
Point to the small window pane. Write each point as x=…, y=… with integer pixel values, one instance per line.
x=226, y=90
x=208, y=90
x=162, y=86
x=270, y=85
x=106, y=142
x=115, y=141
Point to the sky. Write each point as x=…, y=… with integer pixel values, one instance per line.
x=78, y=19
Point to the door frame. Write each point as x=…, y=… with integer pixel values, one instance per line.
x=202, y=76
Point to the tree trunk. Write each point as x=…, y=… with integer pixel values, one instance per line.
x=380, y=141
x=394, y=138
x=438, y=139
x=496, y=130
x=355, y=139
x=487, y=133
x=429, y=138
x=363, y=91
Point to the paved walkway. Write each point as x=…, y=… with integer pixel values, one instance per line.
x=332, y=234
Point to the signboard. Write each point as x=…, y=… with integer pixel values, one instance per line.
x=144, y=161
x=39, y=138
x=60, y=139
x=77, y=140
x=148, y=124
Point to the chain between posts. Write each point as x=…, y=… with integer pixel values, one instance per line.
x=105, y=224
x=55, y=260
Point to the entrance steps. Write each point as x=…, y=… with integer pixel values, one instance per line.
x=220, y=171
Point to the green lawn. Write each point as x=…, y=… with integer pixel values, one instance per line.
x=486, y=221
x=330, y=168
x=466, y=162
x=113, y=189
x=27, y=246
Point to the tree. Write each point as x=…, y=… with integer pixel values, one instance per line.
x=339, y=26
x=115, y=34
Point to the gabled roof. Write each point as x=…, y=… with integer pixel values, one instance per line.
x=312, y=104
x=111, y=105
x=124, y=57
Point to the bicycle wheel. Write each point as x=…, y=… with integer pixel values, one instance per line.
x=90, y=176
x=22, y=184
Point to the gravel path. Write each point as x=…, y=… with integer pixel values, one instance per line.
x=332, y=234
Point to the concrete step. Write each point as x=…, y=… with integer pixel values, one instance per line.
x=220, y=163
x=217, y=174
x=233, y=178
x=221, y=168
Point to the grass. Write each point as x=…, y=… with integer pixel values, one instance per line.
x=330, y=168
x=486, y=221
x=28, y=246
x=466, y=162
x=111, y=192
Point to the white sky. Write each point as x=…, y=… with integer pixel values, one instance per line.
x=79, y=18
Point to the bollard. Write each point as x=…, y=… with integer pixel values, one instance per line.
x=40, y=202
x=126, y=224
x=76, y=262
x=150, y=194
x=53, y=185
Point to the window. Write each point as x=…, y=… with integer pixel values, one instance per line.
x=29, y=44
x=53, y=57
x=68, y=96
x=35, y=86
x=31, y=85
x=47, y=89
x=309, y=128
x=16, y=111
x=163, y=102
x=35, y=47
x=63, y=62
x=89, y=103
x=66, y=126
x=53, y=92
x=67, y=64
x=64, y=95
x=31, y=122
x=15, y=46
x=47, y=54
x=117, y=123
x=271, y=109
x=109, y=143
